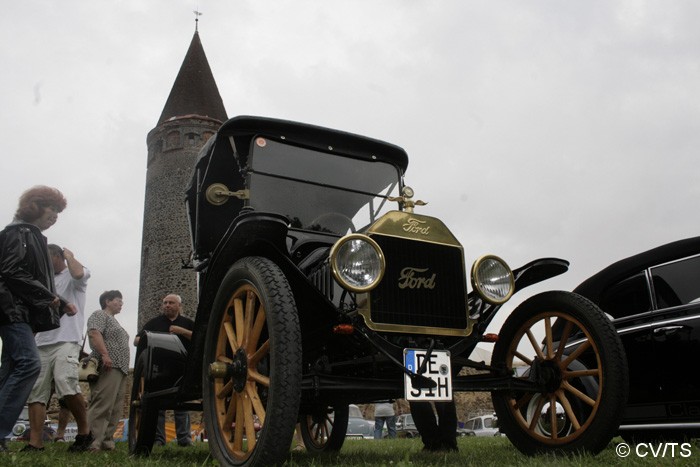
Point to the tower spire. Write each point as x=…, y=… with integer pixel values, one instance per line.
x=194, y=91
x=197, y=14
x=192, y=113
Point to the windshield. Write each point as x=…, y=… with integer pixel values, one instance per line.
x=319, y=191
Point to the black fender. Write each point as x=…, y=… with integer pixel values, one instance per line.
x=165, y=361
x=533, y=272
x=255, y=233
x=250, y=234
x=537, y=271
x=262, y=234
x=529, y=274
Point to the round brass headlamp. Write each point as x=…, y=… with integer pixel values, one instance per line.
x=493, y=279
x=357, y=263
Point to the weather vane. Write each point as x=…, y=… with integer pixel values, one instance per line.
x=197, y=14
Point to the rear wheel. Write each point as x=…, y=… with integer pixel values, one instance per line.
x=252, y=366
x=323, y=433
x=567, y=345
x=143, y=414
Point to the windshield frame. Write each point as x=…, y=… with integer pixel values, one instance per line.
x=314, y=189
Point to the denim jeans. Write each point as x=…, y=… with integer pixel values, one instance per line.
x=379, y=427
x=182, y=427
x=19, y=369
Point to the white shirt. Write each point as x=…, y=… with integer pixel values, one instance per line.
x=384, y=409
x=73, y=291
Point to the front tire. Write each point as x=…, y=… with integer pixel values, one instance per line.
x=585, y=384
x=321, y=433
x=252, y=366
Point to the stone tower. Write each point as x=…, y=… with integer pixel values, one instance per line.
x=193, y=112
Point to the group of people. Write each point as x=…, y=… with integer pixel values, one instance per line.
x=42, y=317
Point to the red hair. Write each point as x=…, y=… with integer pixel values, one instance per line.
x=33, y=202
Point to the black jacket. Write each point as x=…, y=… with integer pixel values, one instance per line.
x=26, y=279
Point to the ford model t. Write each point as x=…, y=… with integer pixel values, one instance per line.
x=322, y=283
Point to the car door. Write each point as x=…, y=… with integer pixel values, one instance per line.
x=676, y=337
x=630, y=303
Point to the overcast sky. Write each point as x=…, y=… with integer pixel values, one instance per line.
x=534, y=128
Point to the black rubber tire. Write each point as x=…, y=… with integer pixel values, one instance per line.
x=322, y=434
x=255, y=303
x=143, y=415
x=594, y=413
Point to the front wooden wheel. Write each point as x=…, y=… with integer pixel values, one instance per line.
x=252, y=366
x=568, y=346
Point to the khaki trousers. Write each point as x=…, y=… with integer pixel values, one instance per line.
x=106, y=407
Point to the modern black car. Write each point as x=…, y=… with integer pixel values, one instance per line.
x=320, y=286
x=654, y=301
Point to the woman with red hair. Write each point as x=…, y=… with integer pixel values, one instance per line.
x=28, y=300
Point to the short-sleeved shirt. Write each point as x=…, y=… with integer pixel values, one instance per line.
x=162, y=323
x=115, y=337
x=73, y=291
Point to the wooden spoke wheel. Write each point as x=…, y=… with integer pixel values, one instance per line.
x=568, y=347
x=252, y=366
x=323, y=430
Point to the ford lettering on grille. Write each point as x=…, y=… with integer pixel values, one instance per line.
x=416, y=226
x=414, y=278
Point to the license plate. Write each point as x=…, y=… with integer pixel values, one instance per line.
x=438, y=369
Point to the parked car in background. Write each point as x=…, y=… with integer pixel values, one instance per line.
x=21, y=425
x=464, y=432
x=654, y=301
x=20, y=430
x=483, y=425
x=406, y=427
x=358, y=426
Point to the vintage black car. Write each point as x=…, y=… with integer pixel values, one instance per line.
x=320, y=287
x=654, y=298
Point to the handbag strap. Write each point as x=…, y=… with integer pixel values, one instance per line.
x=82, y=347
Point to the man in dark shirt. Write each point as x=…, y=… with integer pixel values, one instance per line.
x=171, y=321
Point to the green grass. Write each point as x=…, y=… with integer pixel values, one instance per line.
x=389, y=453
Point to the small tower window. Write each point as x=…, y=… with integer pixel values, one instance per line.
x=172, y=140
x=191, y=139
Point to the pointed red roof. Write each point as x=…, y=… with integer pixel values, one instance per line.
x=194, y=91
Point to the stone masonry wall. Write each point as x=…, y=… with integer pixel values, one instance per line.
x=172, y=152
